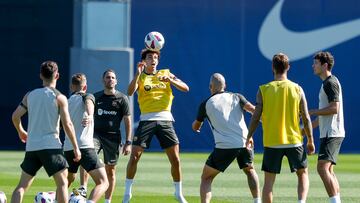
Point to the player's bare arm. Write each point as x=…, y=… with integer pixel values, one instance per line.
x=196, y=125
x=133, y=86
x=16, y=119
x=67, y=124
x=180, y=85
x=89, y=109
x=128, y=131
x=307, y=124
x=333, y=108
x=249, y=107
x=255, y=119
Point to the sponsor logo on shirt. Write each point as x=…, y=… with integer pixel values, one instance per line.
x=105, y=112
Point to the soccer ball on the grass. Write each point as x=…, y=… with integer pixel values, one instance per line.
x=154, y=41
x=77, y=199
x=2, y=197
x=45, y=197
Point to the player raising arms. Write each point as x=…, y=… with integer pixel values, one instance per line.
x=155, y=99
x=45, y=107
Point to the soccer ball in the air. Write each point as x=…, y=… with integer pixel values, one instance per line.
x=45, y=197
x=77, y=199
x=154, y=41
x=2, y=197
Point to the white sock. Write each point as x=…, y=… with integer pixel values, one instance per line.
x=257, y=200
x=128, y=186
x=107, y=201
x=301, y=201
x=178, y=188
x=335, y=199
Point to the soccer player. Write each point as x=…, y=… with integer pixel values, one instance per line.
x=155, y=99
x=225, y=113
x=330, y=121
x=45, y=107
x=280, y=103
x=111, y=106
x=81, y=108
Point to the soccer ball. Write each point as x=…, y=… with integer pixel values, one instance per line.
x=154, y=41
x=2, y=197
x=45, y=197
x=77, y=199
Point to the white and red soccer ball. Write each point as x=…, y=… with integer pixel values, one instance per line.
x=2, y=197
x=154, y=41
x=45, y=197
x=77, y=199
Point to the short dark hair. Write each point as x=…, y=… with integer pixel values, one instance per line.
x=107, y=71
x=325, y=57
x=144, y=52
x=78, y=79
x=280, y=63
x=48, y=69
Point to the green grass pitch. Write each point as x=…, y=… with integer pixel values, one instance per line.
x=153, y=181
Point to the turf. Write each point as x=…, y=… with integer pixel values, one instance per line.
x=153, y=180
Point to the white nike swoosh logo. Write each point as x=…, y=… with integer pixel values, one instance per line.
x=274, y=37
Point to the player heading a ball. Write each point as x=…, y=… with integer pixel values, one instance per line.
x=154, y=41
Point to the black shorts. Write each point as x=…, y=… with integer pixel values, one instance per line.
x=164, y=131
x=89, y=160
x=110, y=144
x=53, y=161
x=329, y=148
x=272, y=159
x=220, y=159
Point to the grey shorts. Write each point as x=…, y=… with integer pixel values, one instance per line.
x=53, y=161
x=89, y=160
x=329, y=148
x=220, y=159
x=110, y=144
x=272, y=159
x=164, y=131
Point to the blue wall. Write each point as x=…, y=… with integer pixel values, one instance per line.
x=202, y=37
x=207, y=36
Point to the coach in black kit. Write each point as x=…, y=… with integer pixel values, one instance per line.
x=111, y=106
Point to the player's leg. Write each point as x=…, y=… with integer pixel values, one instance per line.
x=303, y=184
x=101, y=183
x=23, y=185
x=174, y=159
x=111, y=156
x=323, y=169
x=328, y=152
x=297, y=159
x=60, y=179
x=271, y=165
x=245, y=162
x=142, y=139
x=91, y=163
x=84, y=178
x=269, y=180
x=207, y=178
x=56, y=165
x=170, y=143
x=335, y=179
x=73, y=166
x=131, y=169
x=30, y=165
